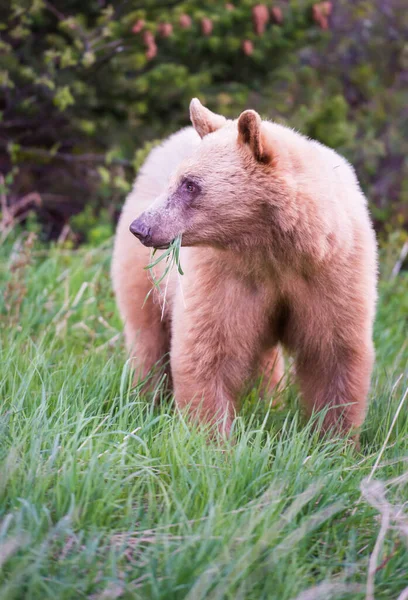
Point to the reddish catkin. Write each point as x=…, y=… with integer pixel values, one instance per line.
x=229, y=6
x=260, y=18
x=277, y=15
x=206, y=26
x=185, y=21
x=138, y=26
x=151, y=52
x=150, y=43
x=247, y=47
x=148, y=38
x=165, y=30
x=321, y=13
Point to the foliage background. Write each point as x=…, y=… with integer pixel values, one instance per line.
x=104, y=493
x=86, y=88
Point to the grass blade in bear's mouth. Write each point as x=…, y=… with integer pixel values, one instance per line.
x=172, y=256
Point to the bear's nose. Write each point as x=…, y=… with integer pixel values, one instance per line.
x=140, y=230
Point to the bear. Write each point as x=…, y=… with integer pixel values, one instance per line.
x=278, y=251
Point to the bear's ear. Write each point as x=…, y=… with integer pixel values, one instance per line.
x=204, y=121
x=250, y=133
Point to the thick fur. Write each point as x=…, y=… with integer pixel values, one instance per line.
x=278, y=248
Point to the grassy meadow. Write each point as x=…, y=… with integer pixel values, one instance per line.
x=104, y=494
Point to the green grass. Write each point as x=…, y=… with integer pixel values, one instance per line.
x=105, y=495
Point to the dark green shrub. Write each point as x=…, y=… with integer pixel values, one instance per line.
x=86, y=87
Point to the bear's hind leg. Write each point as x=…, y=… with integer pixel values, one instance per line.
x=339, y=380
x=147, y=337
x=148, y=343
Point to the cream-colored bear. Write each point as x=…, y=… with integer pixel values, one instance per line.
x=278, y=248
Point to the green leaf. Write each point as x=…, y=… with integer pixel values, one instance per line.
x=63, y=98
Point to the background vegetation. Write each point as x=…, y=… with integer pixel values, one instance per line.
x=105, y=493
x=86, y=87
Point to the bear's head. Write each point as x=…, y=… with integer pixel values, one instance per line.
x=220, y=195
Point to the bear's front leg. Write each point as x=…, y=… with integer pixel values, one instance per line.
x=217, y=334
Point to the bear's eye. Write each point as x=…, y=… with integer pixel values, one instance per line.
x=191, y=187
